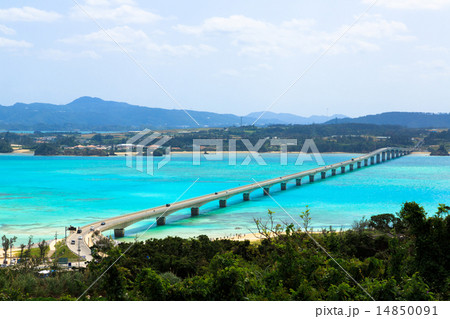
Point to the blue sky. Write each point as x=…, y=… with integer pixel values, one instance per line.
x=230, y=56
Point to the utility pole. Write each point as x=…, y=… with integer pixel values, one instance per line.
x=56, y=240
x=79, y=252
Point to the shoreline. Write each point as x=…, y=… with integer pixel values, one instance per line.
x=123, y=154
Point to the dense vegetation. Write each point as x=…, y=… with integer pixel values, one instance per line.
x=352, y=138
x=47, y=149
x=393, y=257
x=441, y=151
x=328, y=138
x=5, y=147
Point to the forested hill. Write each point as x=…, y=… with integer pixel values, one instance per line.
x=94, y=114
x=88, y=113
x=408, y=119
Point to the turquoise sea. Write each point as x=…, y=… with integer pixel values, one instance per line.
x=41, y=195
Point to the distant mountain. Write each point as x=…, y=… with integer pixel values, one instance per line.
x=407, y=119
x=94, y=114
x=286, y=118
x=89, y=113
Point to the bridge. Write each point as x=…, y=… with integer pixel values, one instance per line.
x=119, y=223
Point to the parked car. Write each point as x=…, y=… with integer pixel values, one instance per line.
x=72, y=242
x=79, y=230
x=103, y=224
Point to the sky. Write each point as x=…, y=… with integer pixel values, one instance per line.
x=352, y=57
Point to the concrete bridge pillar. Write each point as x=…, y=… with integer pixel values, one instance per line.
x=396, y=153
x=222, y=203
x=383, y=156
x=333, y=172
x=283, y=186
x=246, y=197
x=311, y=178
x=366, y=162
x=388, y=156
x=378, y=158
x=160, y=221
x=323, y=175
x=358, y=165
x=372, y=160
x=119, y=233
x=266, y=191
x=342, y=169
x=195, y=211
x=298, y=181
x=351, y=167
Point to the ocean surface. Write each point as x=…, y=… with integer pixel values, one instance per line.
x=39, y=196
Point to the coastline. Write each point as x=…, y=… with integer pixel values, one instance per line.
x=123, y=154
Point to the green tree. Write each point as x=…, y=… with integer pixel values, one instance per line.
x=383, y=222
x=43, y=246
x=151, y=286
x=306, y=219
x=114, y=283
x=416, y=289
x=46, y=150
x=5, y=244
x=22, y=247
x=29, y=245
x=5, y=147
x=11, y=244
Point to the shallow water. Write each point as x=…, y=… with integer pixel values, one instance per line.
x=41, y=195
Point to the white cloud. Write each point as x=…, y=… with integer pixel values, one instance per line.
x=5, y=30
x=379, y=28
x=119, y=11
x=135, y=40
x=430, y=69
x=123, y=35
x=60, y=55
x=412, y=4
x=256, y=37
x=14, y=44
x=28, y=14
x=434, y=49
